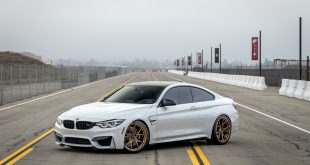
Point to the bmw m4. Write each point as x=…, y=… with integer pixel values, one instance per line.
x=146, y=113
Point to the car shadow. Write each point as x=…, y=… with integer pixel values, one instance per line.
x=159, y=146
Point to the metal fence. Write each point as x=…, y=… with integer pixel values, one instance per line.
x=21, y=81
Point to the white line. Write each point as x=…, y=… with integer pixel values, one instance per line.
x=57, y=93
x=281, y=121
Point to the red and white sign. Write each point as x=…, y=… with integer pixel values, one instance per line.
x=199, y=56
x=254, y=48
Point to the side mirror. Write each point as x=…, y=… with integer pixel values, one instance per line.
x=168, y=102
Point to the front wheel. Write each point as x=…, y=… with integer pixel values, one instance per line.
x=221, y=130
x=136, y=137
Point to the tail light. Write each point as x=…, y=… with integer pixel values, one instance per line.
x=235, y=105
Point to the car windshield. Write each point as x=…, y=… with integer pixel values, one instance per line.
x=136, y=94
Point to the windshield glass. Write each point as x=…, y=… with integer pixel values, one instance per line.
x=136, y=94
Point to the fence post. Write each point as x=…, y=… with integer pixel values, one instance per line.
x=43, y=75
x=53, y=83
x=20, y=80
x=1, y=100
x=11, y=83
x=69, y=78
x=308, y=73
x=36, y=79
x=29, y=80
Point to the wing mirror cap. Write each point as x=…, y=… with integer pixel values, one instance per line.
x=168, y=102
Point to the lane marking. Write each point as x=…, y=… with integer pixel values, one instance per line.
x=25, y=147
x=22, y=150
x=20, y=156
x=201, y=154
x=117, y=87
x=192, y=156
x=281, y=121
x=274, y=118
x=57, y=93
x=153, y=76
x=172, y=77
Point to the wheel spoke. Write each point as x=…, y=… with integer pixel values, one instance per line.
x=135, y=137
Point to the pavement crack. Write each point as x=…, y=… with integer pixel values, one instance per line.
x=39, y=132
x=156, y=157
x=15, y=144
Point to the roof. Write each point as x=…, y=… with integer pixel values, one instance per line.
x=155, y=83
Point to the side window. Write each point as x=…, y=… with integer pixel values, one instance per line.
x=181, y=95
x=201, y=95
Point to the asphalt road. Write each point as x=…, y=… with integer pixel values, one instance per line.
x=260, y=140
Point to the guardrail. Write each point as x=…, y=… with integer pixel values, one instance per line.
x=299, y=89
x=252, y=82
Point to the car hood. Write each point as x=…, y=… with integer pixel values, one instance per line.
x=105, y=111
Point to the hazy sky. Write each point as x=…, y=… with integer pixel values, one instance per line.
x=112, y=30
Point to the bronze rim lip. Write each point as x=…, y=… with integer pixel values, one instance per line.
x=135, y=137
x=223, y=129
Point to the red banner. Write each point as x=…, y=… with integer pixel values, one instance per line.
x=254, y=48
x=199, y=58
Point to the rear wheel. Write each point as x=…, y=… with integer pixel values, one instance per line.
x=221, y=130
x=136, y=137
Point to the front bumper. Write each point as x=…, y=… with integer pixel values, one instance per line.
x=100, y=138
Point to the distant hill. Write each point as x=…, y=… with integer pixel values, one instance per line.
x=13, y=57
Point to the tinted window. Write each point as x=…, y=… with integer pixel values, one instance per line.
x=136, y=94
x=201, y=95
x=181, y=95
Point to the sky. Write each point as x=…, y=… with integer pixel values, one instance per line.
x=120, y=30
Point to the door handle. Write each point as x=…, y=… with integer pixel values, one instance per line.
x=193, y=108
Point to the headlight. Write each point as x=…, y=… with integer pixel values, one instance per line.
x=109, y=123
x=59, y=121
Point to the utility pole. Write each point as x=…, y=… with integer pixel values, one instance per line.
x=211, y=58
x=202, y=60
x=308, y=74
x=260, y=53
x=300, y=48
x=220, y=58
x=191, y=61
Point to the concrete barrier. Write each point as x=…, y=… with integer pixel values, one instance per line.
x=255, y=82
x=242, y=81
x=246, y=81
x=176, y=72
x=284, y=87
x=261, y=84
x=252, y=82
x=291, y=88
x=300, y=90
x=307, y=92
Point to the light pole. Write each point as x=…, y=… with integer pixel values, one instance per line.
x=300, y=48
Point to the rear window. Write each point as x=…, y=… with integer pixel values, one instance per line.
x=200, y=95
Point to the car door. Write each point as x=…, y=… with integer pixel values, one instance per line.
x=178, y=121
x=205, y=107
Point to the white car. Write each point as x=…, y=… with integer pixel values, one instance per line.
x=147, y=113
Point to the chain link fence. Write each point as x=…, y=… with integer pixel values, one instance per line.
x=21, y=81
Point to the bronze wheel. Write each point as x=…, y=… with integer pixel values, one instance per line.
x=221, y=130
x=136, y=137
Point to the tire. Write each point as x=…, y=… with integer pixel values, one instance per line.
x=221, y=130
x=136, y=137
